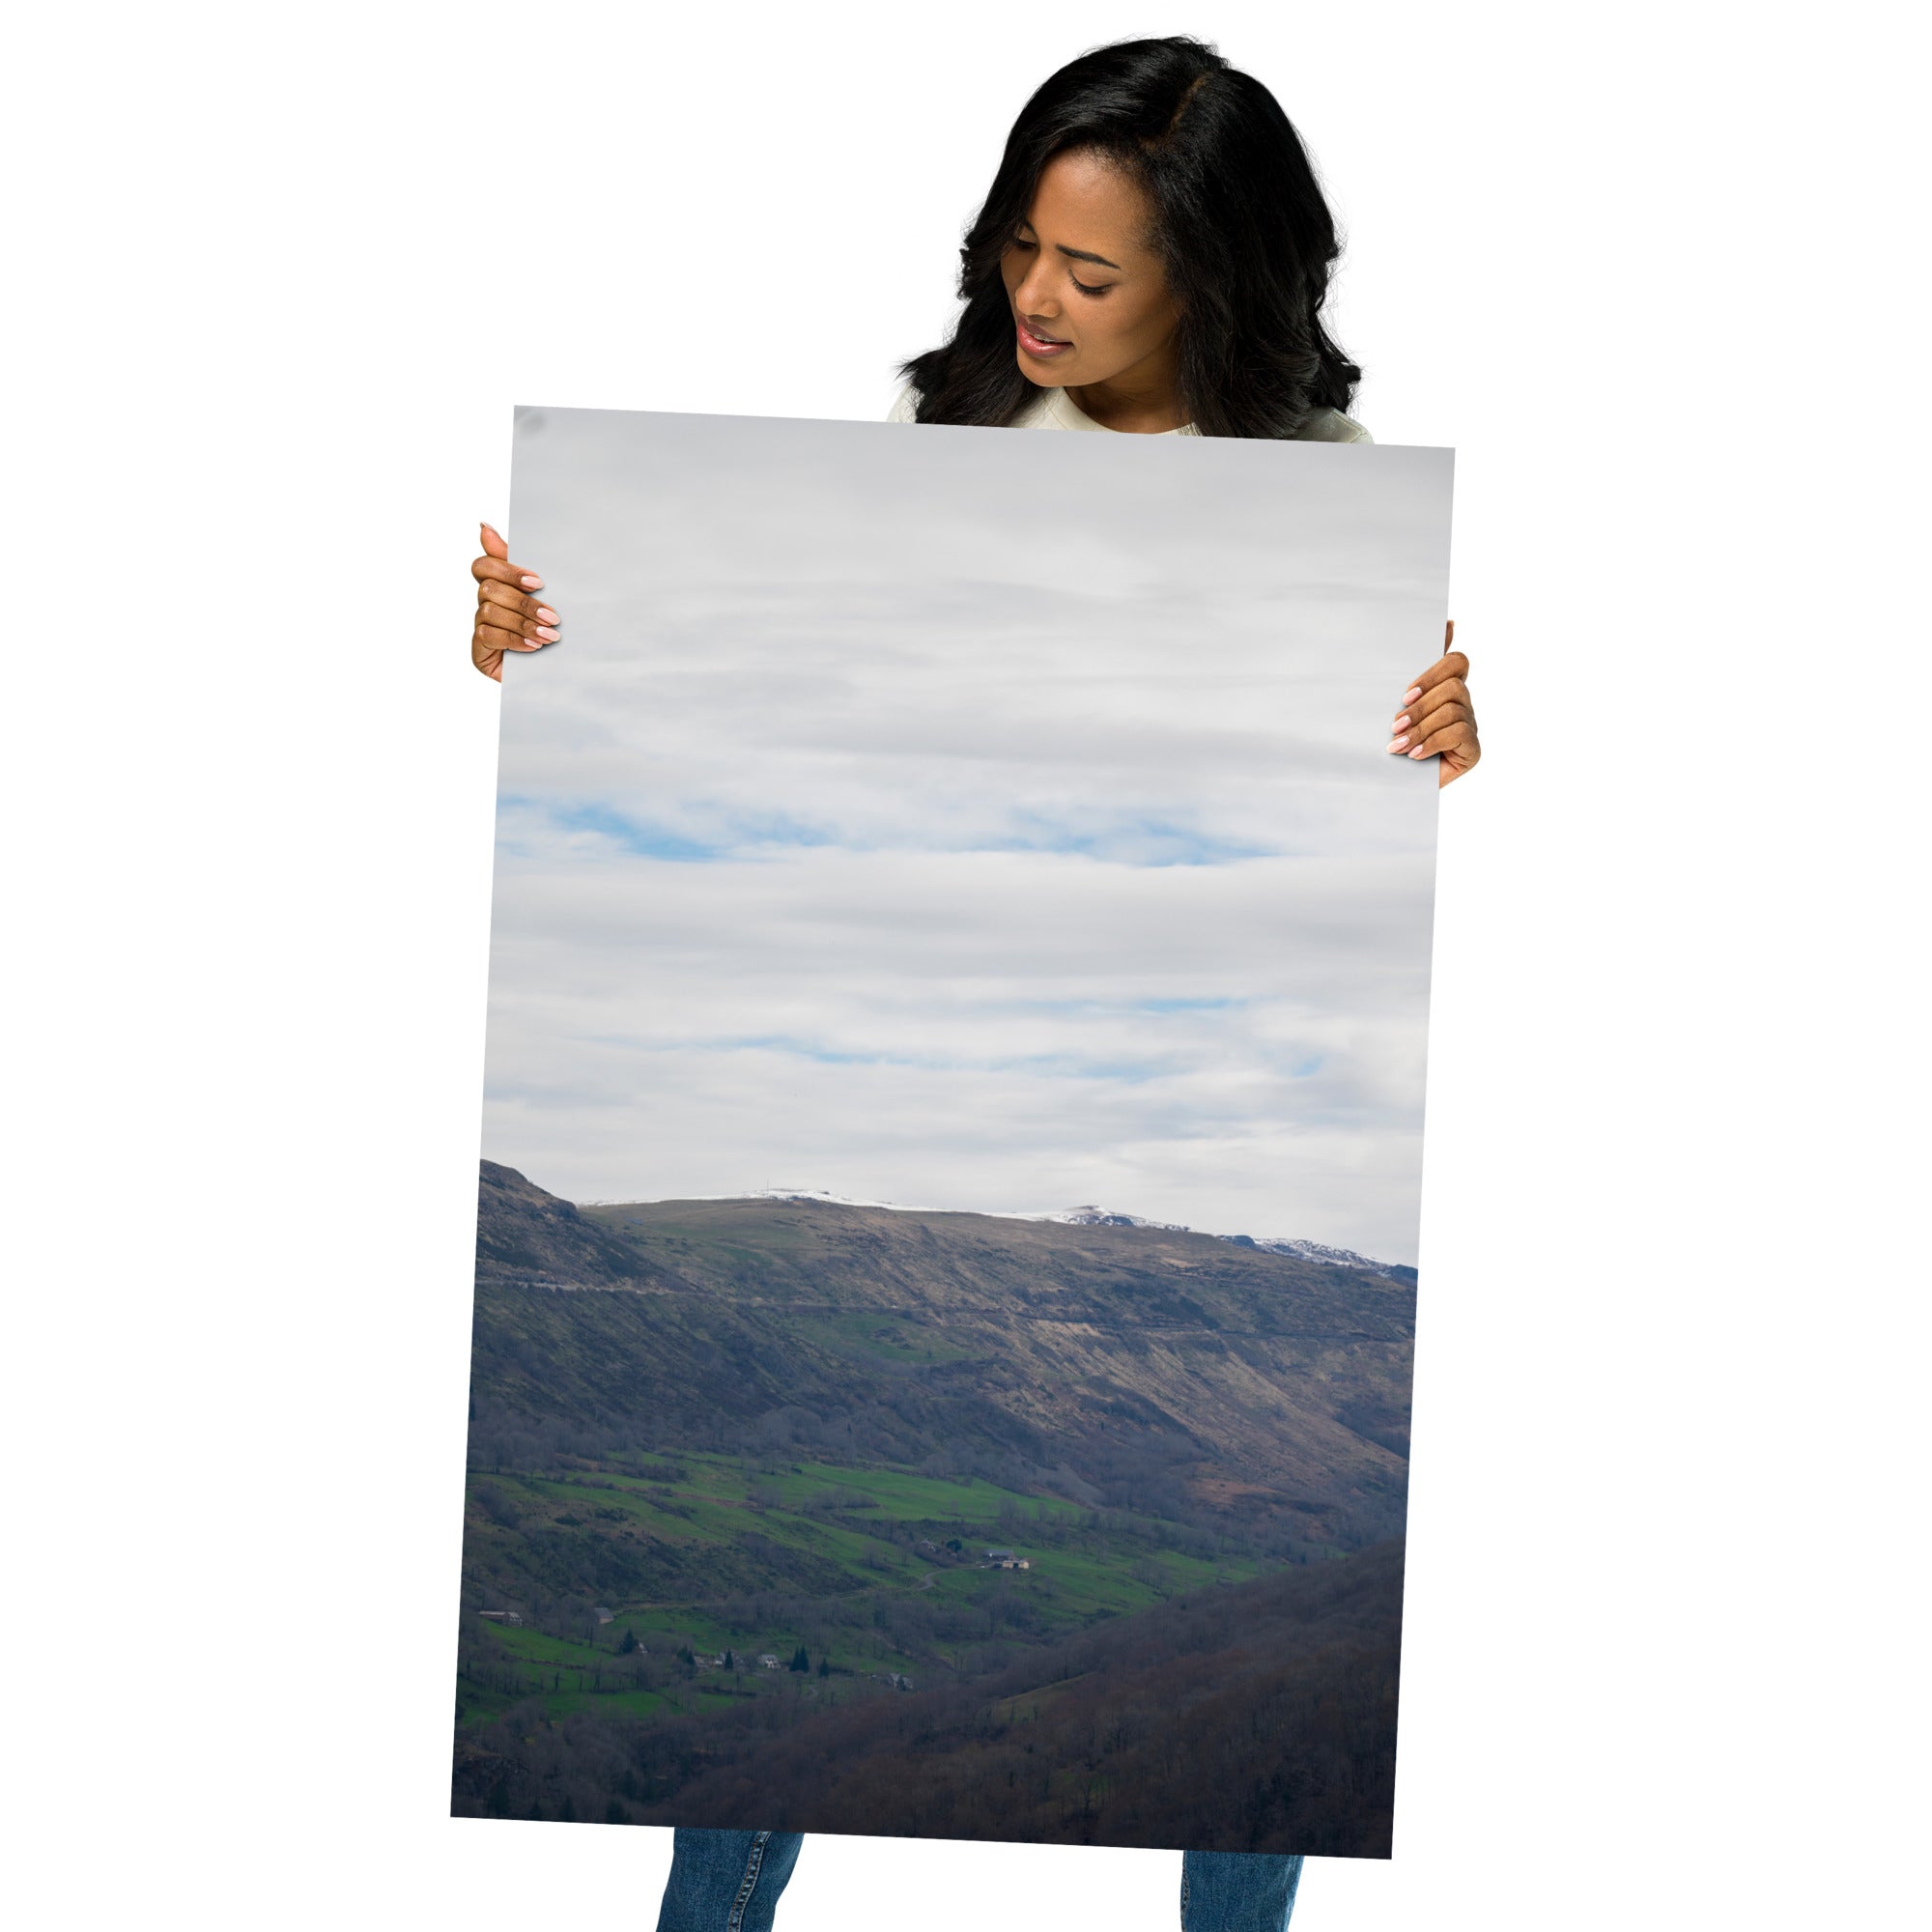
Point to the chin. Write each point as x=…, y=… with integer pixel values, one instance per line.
x=1040, y=377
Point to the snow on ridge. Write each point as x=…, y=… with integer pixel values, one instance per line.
x=1311, y=1251
x=1086, y=1216
x=1101, y=1217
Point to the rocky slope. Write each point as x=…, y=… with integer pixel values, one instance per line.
x=1195, y=1373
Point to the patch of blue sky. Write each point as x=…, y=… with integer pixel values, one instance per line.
x=1143, y=842
x=636, y=835
x=705, y=833
x=1055, y=1066
x=706, y=841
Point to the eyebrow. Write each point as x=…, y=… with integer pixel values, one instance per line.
x=1080, y=254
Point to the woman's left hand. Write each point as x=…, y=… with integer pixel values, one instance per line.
x=1435, y=721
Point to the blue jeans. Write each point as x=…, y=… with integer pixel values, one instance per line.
x=731, y=1882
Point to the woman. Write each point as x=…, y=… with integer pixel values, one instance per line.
x=1151, y=259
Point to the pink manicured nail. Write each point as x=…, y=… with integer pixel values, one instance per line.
x=1399, y=723
x=533, y=583
x=548, y=637
x=1409, y=696
x=1419, y=753
x=545, y=615
x=533, y=643
x=1397, y=745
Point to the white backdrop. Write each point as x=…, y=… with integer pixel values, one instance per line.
x=278, y=277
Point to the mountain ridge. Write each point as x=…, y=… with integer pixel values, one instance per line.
x=1266, y=1380
x=1087, y=1216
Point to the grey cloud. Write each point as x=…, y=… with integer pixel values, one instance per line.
x=956, y=817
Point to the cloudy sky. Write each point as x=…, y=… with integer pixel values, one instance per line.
x=969, y=819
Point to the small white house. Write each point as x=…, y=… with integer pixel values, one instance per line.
x=767, y=1661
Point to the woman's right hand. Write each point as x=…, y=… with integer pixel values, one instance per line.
x=507, y=617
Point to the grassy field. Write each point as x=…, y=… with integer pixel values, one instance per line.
x=878, y=1541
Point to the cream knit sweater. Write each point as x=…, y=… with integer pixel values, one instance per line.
x=1055, y=409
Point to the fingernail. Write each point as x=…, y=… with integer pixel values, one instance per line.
x=533, y=583
x=1417, y=753
x=545, y=615
x=548, y=637
x=1413, y=692
x=493, y=529
x=1398, y=744
x=1399, y=723
x=535, y=643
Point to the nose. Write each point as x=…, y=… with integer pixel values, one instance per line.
x=1034, y=297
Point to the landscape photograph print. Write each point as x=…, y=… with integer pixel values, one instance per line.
x=946, y=1288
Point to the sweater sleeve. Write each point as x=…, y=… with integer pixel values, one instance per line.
x=1332, y=426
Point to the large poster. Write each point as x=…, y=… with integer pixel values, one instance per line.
x=945, y=1281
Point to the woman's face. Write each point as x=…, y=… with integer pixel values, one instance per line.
x=1091, y=300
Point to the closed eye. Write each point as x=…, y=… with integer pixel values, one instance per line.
x=1085, y=288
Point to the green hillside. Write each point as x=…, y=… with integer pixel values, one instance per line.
x=1109, y=1358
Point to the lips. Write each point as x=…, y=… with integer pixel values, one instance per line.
x=1035, y=344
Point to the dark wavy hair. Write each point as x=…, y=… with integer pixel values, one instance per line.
x=1240, y=227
